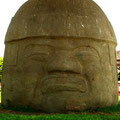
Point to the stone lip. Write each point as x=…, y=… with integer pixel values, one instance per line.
x=55, y=18
x=64, y=82
x=60, y=88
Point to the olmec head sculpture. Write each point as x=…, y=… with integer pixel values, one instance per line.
x=60, y=56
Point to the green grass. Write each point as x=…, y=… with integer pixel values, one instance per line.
x=58, y=117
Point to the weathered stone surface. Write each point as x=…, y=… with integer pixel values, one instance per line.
x=60, y=56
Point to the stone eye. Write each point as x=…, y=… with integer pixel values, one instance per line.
x=39, y=57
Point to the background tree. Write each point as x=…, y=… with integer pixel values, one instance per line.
x=1, y=67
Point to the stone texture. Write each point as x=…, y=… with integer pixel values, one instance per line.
x=59, y=57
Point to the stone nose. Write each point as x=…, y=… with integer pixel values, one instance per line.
x=64, y=62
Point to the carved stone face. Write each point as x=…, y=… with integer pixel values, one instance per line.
x=62, y=74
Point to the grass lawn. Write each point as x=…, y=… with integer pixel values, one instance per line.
x=58, y=117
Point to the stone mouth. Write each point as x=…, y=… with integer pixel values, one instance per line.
x=61, y=87
x=55, y=84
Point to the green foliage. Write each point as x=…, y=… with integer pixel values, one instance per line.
x=1, y=67
x=0, y=95
x=1, y=63
x=0, y=77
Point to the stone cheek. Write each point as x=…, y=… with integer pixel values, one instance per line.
x=60, y=75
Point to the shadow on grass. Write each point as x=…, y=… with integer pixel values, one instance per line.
x=110, y=110
x=19, y=109
x=83, y=115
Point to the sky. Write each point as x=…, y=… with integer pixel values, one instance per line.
x=8, y=9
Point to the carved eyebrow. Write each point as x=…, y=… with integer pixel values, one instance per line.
x=37, y=45
x=33, y=49
x=52, y=47
x=87, y=53
x=88, y=50
x=35, y=53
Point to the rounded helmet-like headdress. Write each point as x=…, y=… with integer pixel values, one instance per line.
x=60, y=18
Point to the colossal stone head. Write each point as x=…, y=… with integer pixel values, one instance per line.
x=60, y=56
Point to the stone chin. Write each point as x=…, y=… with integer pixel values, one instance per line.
x=64, y=101
x=67, y=95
